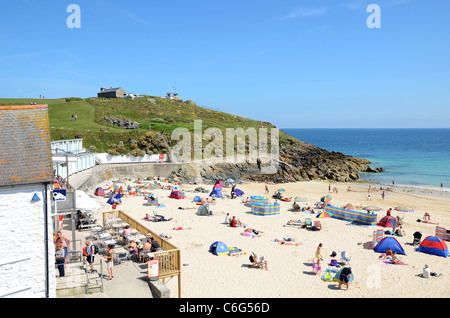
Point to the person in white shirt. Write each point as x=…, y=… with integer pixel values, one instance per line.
x=426, y=272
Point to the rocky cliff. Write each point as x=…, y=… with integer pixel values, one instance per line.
x=298, y=161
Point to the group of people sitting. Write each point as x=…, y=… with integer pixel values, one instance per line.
x=141, y=249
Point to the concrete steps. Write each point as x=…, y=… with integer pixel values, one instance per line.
x=77, y=282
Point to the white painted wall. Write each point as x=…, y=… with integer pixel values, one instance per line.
x=22, y=243
x=107, y=158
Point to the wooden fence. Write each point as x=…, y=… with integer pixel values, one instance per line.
x=169, y=257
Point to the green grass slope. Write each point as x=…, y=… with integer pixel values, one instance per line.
x=161, y=114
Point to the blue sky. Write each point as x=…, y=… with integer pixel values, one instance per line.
x=297, y=64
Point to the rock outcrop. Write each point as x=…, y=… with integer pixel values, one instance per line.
x=298, y=161
x=122, y=123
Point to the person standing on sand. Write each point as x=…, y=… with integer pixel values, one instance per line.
x=109, y=262
x=318, y=255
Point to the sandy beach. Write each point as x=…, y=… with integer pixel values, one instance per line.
x=290, y=272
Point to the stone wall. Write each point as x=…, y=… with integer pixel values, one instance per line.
x=102, y=173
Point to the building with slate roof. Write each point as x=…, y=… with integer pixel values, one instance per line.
x=26, y=176
x=117, y=92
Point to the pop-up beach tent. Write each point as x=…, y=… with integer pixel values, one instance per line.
x=204, y=209
x=238, y=192
x=387, y=221
x=337, y=277
x=176, y=195
x=99, y=192
x=433, y=245
x=219, y=248
x=390, y=242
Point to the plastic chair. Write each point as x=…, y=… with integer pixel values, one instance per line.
x=308, y=222
x=345, y=258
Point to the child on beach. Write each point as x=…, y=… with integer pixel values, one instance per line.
x=318, y=255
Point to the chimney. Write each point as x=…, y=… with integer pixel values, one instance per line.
x=102, y=89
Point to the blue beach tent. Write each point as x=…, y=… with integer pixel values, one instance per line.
x=433, y=245
x=219, y=248
x=197, y=199
x=390, y=242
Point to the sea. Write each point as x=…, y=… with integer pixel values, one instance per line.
x=418, y=158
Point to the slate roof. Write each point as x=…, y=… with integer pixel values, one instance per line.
x=110, y=90
x=25, y=152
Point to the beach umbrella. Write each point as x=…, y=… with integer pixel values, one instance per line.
x=404, y=208
x=372, y=208
x=326, y=198
x=322, y=215
x=281, y=190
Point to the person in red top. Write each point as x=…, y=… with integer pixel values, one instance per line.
x=233, y=222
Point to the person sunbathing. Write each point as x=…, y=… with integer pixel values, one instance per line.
x=256, y=232
x=260, y=261
x=287, y=241
x=160, y=218
x=396, y=259
x=251, y=232
x=295, y=222
x=156, y=218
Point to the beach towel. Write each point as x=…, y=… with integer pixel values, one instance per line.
x=180, y=228
x=389, y=262
x=286, y=241
x=233, y=251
